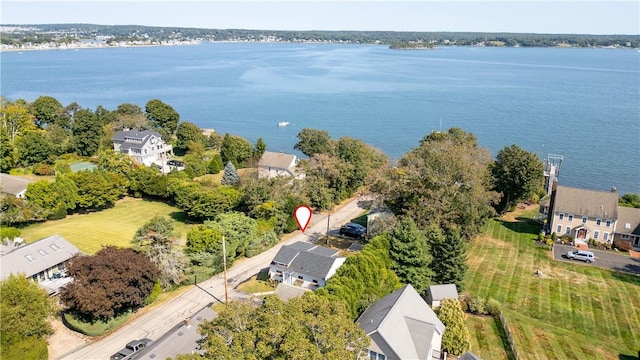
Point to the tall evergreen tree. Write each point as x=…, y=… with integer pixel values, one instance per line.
x=230, y=175
x=87, y=131
x=410, y=254
x=449, y=256
x=260, y=148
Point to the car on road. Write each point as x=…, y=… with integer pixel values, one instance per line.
x=131, y=349
x=581, y=255
x=353, y=230
x=175, y=163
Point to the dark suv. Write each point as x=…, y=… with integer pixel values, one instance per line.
x=353, y=230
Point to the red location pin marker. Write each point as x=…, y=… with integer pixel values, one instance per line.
x=303, y=216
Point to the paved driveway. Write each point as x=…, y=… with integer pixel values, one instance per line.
x=604, y=259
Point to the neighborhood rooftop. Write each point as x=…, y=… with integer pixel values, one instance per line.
x=277, y=160
x=13, y=185
x=444, y=291
x=38, y=256
x=592, y=203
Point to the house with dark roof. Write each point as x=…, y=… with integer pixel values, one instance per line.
x=274, y=164
x=402, y=326
x=305, y=265
x=13, y=185
x=43, y=261
x=437, y=293
x=628, y=226
x=144, y=146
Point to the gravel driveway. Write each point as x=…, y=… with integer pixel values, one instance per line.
x=604, y=259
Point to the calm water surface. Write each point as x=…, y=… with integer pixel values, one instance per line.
x=583, y=104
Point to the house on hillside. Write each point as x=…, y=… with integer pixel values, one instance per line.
x=274, y=164
x=13, y=185
x=305, y=265
x=437, y=293
x=43, y=261
x=402, y=326
x=144, y=146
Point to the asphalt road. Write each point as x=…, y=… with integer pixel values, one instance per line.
x=604, y=259
x=156, y=323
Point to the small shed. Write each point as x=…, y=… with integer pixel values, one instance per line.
x=437, y=293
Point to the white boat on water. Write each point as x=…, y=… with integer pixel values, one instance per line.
x=283, y=123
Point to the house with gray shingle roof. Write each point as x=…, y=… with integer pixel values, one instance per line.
x=305, y=265
x=628, y=226
x=437, y=293
x=13, y=185
x=274, y=164
x=43, y=261
x=144, y=146
x=402, y=326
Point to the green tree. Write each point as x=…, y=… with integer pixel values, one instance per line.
x=313, y=328
x=34, y=147
x=15, y=210
x=312, y=141
x=260, y=148
x=8, y=153
x=109, y=283
x=230, y=175
x=456, y=336
x=162, y=117
x=214, y=165
x=204, y=203
x=130, y=116
x=235, y=149
x=449, y=257
x=517, y=174
x=630, y=200
x=48, y=111
x=25, y=309
x=445, y=182
x=15, y=120
x=411, y=255
x=61, y=140
x=195, y=165
x=87, y=132
x=98, y=189
x=187, y=133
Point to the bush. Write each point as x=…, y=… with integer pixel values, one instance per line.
x=549, y=242
x=9, y=233
x=60, y=213
x=477, y=305
x=592, y=242
x=43, y=169
x=554, y=236
x=29, y=348
x=607, y=246
x=95, y=328
x=623, y=245
x=493, y=307
x=155, y=292
x=541, y=237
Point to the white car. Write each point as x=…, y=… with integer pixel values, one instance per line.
x=581, y=255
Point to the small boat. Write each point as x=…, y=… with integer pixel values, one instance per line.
x=283, y=123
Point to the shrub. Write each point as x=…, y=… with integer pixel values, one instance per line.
x=43, y=169
x=623, y=245
x=29, y=348
x=9, y=233
x=60, y=213
x=592, y=242
x=541, y=237
x=607, y=246
x=493, y=307
x=549, y=242
x=478, y=305
x=155, y=292
x=554, y=236
x=95, y=328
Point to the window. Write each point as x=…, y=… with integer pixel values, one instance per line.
x=570, y=217
x=375, y=356
x=30, y=258
x=42, y=252
x=54, y=247
x=561, y=216
x=625, y=237
x=300, y=277
x=605, y=236
x=608, y=223
x=559, y=229
x=315, y=281
x=568, y=230
x=584, y=219
x=598, y=221
x=595, y=234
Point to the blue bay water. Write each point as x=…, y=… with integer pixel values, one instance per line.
x=583, y=104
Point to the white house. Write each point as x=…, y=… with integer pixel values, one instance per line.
x=402, y=326
x=43, y=261
x=145, y=147
x=13, y=185
x=305, y=265
x=274, y=164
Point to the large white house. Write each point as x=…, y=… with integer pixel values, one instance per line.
x=144, y=146
x=305, y=265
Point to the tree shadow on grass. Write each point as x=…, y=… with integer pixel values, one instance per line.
x=628, y=273
x=522, y=225
x=629, y=357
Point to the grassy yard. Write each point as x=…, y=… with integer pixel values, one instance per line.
x=571, y=312
x=488, y=340
x=114, y=226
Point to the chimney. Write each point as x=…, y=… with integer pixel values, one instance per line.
x=613, y=189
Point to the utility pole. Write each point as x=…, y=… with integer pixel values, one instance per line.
x=328, y=219
x=224, y=264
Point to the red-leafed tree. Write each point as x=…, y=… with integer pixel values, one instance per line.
x=108, y=283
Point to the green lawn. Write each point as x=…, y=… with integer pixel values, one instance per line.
x=571, y=312
x=114, y=226
x=488, y=340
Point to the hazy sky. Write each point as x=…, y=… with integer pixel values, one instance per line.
x=578, y=17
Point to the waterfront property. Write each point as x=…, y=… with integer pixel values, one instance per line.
x=43, y=261
x=274, y=164
x=402, y=326
x=13, y=185
x=145, y=147
x=305, y=265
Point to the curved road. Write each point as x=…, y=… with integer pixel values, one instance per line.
x=159, y=321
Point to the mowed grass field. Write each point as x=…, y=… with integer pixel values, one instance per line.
x=114, y=226
x=488, y=339
x=573, y=311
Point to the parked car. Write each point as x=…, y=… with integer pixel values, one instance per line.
x=131, y=349
x=581, y=255
x=175, y=163
x=353, y=230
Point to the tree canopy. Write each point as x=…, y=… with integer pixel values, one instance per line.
x=162, y=118
x=236, y=149
x=312, y=141
x=410, y=254
x=456, y=336
x=517, y=174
